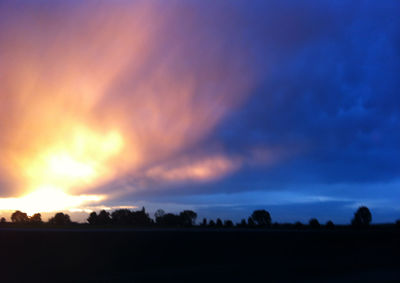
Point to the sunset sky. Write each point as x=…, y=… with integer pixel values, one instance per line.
x=222, y=107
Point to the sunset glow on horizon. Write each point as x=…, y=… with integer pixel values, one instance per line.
x=90, y=97
x=49, y=200
x=56, y=172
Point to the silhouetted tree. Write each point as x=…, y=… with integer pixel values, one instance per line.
x=330, y=225
x=103, y=218
x=158, y=215
x=211, y=223
x=171, y=219
x=261, y=218
x=228, y=223
x=121, y=217
x=92, y=219
x=60, y=219
x=362, y=217
x=250, y=222
x=204, y=222
x=36, y=218
x=298, y=225
x=3, y=220
x=19, y=217
x=127, y=217
x=242, y=223
x=188, y=217
x=140, y=217
x=314, y=223
x=219, y=223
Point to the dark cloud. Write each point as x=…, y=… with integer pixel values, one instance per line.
x=327, y=99
x=332, y=94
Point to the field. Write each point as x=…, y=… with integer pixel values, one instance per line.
x=198, y=255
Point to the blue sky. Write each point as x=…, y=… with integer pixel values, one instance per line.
x=326, y=103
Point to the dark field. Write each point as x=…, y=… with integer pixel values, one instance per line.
x=194, y=255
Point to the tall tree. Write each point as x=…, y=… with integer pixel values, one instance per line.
x=261, y=217
x=92, y=219
x=60, y=219
x=103, y=218
x=362, y=217
x=188, y=217
x=36, y=218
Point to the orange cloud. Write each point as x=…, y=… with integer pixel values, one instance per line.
x=205, y=169
x=90, y=92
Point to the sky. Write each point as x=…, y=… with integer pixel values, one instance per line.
x=222, y=107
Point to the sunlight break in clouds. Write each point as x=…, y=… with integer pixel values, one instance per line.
x=201, y=170
x=93, y=91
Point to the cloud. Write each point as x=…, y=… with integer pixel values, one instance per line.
x=199, y=97
x=93, y=91
x=199, y=170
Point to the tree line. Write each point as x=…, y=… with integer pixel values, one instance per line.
x=124, y=217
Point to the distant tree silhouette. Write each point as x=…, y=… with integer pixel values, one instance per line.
x=127, y=217
x=158, y=215
x=60, y=219
x=121, y=217
x=362, y=217
x=228, y=223
x=36, y=219
x=211, y=223
x=330, y=225
x=103, y=218
x=141, y=218
x=250, y=222
x=218, y=223
x=19, y=217
x=298, y=225
x=204, y=222
x=242, y=223
x=92, y=219
x=314, y=223
x=3, y=220
x=398, y=223
x=188, y=217
x=171, y=219
x=261, y=218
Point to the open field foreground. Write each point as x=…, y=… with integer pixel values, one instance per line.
x=196, y=255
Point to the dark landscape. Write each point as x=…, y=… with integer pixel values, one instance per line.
x=130, y=246
x=198, y=255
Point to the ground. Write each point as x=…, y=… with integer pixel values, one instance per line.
x=198, y=255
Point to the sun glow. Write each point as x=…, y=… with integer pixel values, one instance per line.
x=78, y=162
x=48, y=200
x=56, y=175
x=98, y=92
